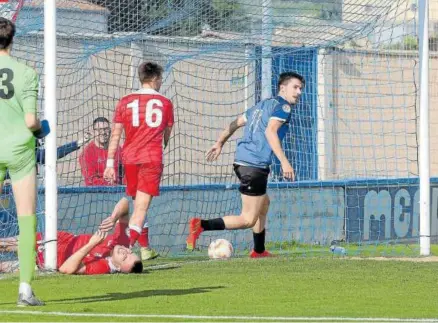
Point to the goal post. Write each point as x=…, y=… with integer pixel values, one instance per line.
x=50, y=113
x=424, y=128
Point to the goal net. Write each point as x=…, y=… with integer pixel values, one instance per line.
x=353, y=140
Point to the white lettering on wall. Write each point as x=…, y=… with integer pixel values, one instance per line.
x=401, y=219
x=377, y=205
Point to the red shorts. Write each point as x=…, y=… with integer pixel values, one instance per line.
x=144, y=178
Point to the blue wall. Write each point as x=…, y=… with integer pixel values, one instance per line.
x=310, y=215
x=386, y=212
x=310, y=212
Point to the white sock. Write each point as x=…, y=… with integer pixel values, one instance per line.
x=135, y=228
x=25, y=289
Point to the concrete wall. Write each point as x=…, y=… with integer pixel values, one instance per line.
x=367, y=103
x=311, y=216
x=370, y=114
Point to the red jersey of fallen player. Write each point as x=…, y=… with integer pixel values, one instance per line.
x=145, y=115
x=97, y=262
x=93, y=163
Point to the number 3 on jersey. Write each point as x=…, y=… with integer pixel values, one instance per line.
x=151, y=110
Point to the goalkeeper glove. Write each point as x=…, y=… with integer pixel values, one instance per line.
x=43, y=131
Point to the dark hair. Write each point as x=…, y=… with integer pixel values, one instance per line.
x=148, y=71
x=7, y=32
x=137, y=268
x=287, y=76
x=100, y=119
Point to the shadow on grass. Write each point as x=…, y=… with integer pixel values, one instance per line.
x=109, y=297
x=160, y=267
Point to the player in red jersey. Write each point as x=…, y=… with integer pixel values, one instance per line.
x=146, y=116
x=89, y=254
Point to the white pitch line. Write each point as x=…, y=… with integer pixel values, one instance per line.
x=224, y=317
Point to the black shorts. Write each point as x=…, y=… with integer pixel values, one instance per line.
x=253, y=180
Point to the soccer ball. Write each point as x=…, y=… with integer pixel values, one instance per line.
x=220, y=249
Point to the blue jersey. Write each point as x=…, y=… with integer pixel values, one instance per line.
x=253, y=149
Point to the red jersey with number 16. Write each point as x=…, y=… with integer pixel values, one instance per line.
x=145, y=115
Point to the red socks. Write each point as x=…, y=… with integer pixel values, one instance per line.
x=134, y=233
x=143, y=240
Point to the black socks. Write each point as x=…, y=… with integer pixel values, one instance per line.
x=213, y=224
x=259, y=241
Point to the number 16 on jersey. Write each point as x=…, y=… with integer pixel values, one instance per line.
x=153, y=113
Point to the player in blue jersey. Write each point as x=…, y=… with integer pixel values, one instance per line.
x=266, y=125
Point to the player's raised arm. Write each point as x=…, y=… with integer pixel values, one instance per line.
x=214, y=152
x=73, y=265
x=121, y=211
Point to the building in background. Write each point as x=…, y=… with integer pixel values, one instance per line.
x=73, y=16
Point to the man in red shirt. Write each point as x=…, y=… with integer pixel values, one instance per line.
x=94, y=156
x=89, y=254
x=146, y=116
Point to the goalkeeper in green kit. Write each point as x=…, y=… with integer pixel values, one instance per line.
x=19, y=125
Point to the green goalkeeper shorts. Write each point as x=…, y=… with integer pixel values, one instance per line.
x=18, y=165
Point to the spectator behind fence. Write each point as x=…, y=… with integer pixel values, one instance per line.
x=94, y=156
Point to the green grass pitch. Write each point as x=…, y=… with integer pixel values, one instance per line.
x=276, y=289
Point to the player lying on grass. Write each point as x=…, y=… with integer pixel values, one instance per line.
x=266, y=125
x=89, y=254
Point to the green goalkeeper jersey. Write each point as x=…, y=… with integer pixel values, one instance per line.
x=18, y=96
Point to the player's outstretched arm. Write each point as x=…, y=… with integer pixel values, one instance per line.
x=275, y=143
x=84, y=140
x=120, y=212
x=9, y=244
x=61, y=151
x=6, y=266
x=109, y=173
x=214, y=152
x=73, y=265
